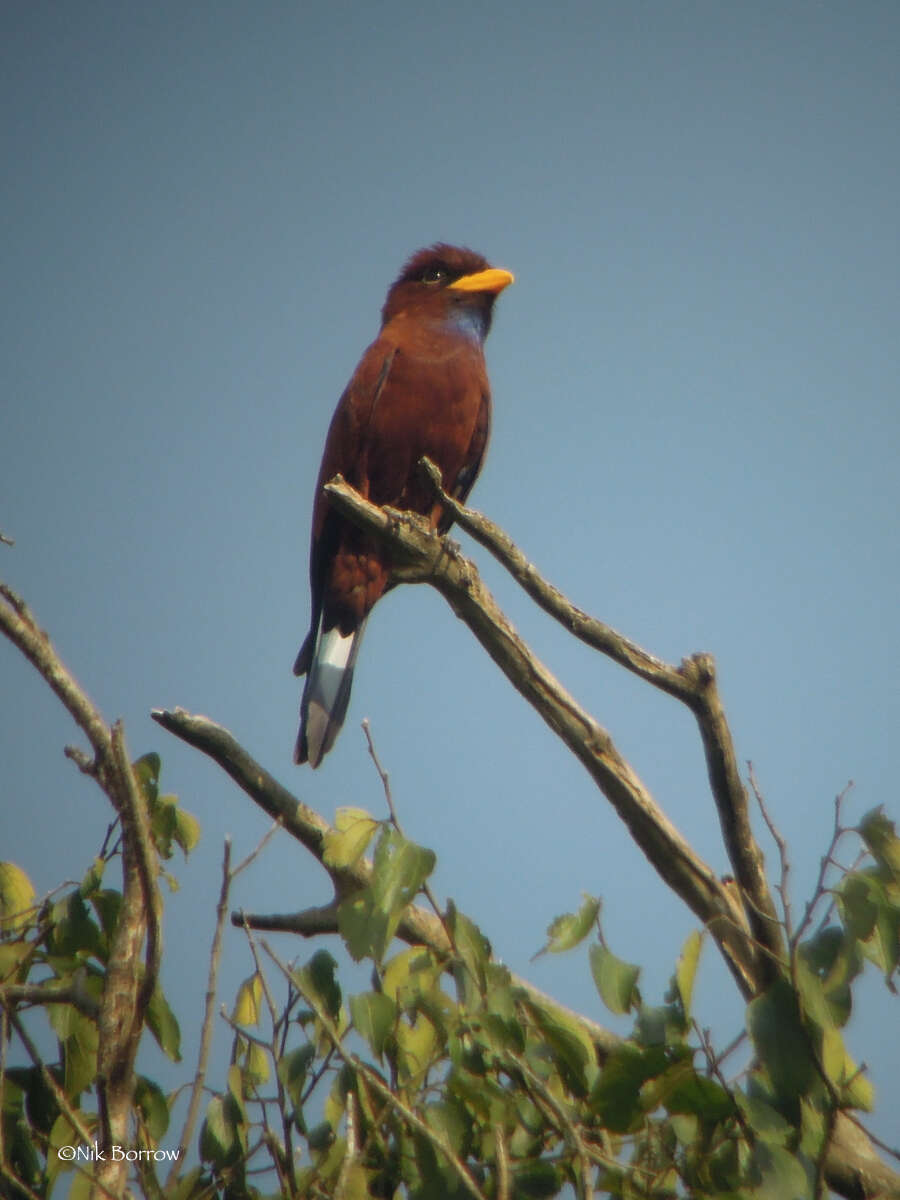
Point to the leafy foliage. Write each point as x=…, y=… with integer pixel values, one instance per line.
x=447, y=1077
x=53, y=958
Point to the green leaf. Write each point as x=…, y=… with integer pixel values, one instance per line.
x=162, y=1023
x=146, y=772
x=779, y=1174
x=568, y=930
x=872, y=915
x=62, y=1134
x=449, y=1120
x=686, y=970
x=107, y=904
x=400, y=869
x=348, y=841
x=153, y=1107
x=857, y=904
x=474, y=950
x=292, y=1069
x=16, y=899
x=417, y=1047
x=881, y=838
x=616, y=1096
x=373, y=1016
x=354, y=1183
x=19, y=1150
x=410, y=975
x=12, y=956
x=502, y=1034
x=569, y=1047
x=188, y=1186
x=765, y=1121
x=835, y=958
x=186, y=831
x=220, y=1142
x=856, y=1090
x=320, y=1137
x=812, y=997
x=256, y=1065
x=83, y=1186
x=92, y=879
x=616, y=980
x=368, y=919
x=536, y=1180
x=41, y=1106
x=686, y=1128
x=698, y=1095
x=660, y=1025
x=79, y=1054
x=365, y=930
x=319, y=977
x=781, y=1040
x=163, y=823
x=246, y=1005
x=75, y=931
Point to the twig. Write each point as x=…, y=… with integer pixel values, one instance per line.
x=215, y=956
x=382, y=773
x=826, y=861
x=855, y=865
x=713, y=1062
x=206, y=1030
x=273, y=1049
x=395, y=821
x=782, y=885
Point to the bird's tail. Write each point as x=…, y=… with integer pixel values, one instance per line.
x=328, y=666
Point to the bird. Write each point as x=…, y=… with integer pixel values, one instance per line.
x=421, y=388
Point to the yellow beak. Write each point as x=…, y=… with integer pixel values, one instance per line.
x=494, y=279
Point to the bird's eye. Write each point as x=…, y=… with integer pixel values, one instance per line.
x=435, y=274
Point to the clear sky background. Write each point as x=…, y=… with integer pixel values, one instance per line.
x=696, y=428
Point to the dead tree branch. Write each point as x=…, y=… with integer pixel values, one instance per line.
x=126, y=989
x=421, y=556
x=693, y=682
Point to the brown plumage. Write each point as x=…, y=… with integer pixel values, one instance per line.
x=421, y=388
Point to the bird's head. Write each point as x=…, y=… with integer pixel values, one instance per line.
x=448, y=283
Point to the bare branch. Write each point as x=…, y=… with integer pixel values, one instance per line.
x=19, y=625
x=126, y=991
x=298, y=819
x=418, y=927
x=48, y=993
x=693, y=682
x=422, y=556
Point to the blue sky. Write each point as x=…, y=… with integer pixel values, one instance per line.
x=696, y=425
